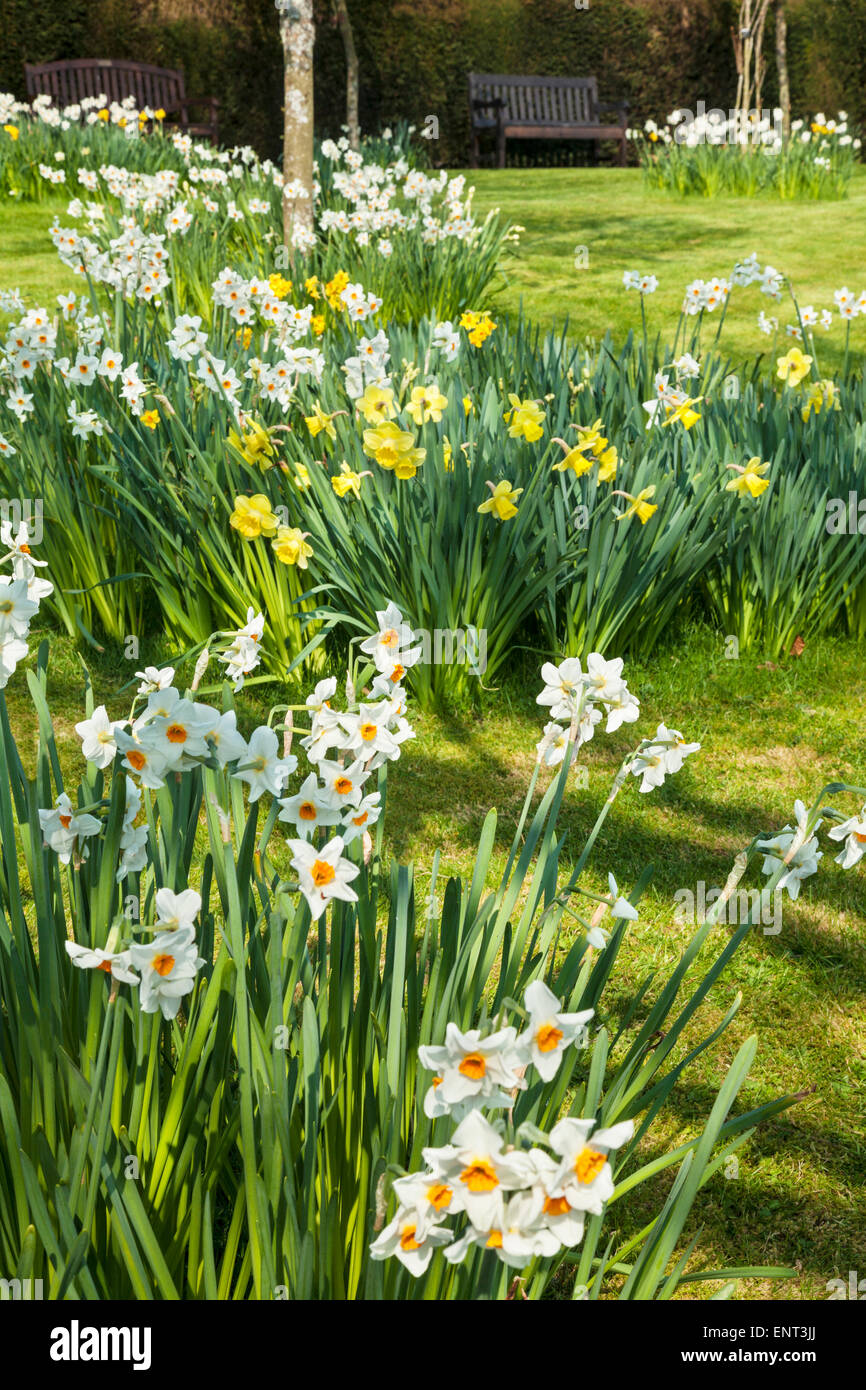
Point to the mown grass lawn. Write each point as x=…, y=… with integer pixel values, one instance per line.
x=769, y=732
x=623, y=225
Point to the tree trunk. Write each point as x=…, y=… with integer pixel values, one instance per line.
x=782, y=66
x=297, y=32
x=348, y=37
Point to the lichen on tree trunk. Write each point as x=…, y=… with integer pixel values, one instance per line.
x=297, y=33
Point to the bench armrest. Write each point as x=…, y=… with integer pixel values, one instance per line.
x=622, y=107
x=202, y=101
x=179, y=109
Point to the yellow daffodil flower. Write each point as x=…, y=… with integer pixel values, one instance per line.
x=320, y=420
x=11, y=131
x=576, y=461
x=525, y=419
x=640, y=506
x=478, y=326
x=749, y=479
x=502, y=502
x=407, y=464
x=255, y=445
x=253, y=517
x=348, y=481
x=684, y=413
x=592, y=447
x=302, y=476
x=311, y=285
x=150, y=418
x=821, y=394
x=447, y=455
x=427, y=403
x=468, y=405
x=159, y=114
x=607, y=462
x=793, y=367
x=290, y=546
x=280, y=287
x=317, y=323
x=386, y=442
x=377, y=405
x=334, y=288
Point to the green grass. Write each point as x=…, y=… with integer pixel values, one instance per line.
x=625, y=226
x=769, y=733
x=28, y=260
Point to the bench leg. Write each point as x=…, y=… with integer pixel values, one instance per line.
x=623, y=151
x=500, y=146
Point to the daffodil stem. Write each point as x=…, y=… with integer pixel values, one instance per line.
x=95, y=1086
x=618, y=784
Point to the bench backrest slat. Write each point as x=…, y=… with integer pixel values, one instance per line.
x=68, y=82
x=539, y=100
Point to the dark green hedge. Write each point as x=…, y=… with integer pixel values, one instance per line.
x=415, y=54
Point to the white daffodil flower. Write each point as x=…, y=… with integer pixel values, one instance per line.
x=549, y=1031
x=116, y=964
x=587, y=725
x=175, y=910
x=804, y=861
x=584, y=1176
x=229, y=744
x=562, y=687
x=563, y=1220
x=97, y=737
x=261, y=766
x=664, y=755
x=325, y=690
x=620, y=907
x=326, y=733
x=62, y=827
x=24, y=562
x=175, y=728
x=17, y=610
x=12, y=650
x=603, y=679
x=343, y=786
x=362, y=817
x=517, y=1232
x=309, y=808
x=391, y=646
x=168, y=967
x=133, y=852
x=367, y=732
x=471, y=1069
x=853, y=832
x=552, y=747
x=152, y=678
x=479, y=1167
x=412, y=1239
x=427, y=1194
x=139, y=757
x=323, y=873
x=623, y=708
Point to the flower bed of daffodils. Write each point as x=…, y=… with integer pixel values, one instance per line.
x=238, y=1057
x=748, y=154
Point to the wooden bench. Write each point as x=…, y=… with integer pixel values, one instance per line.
x=157, y=88
x=542, y=108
